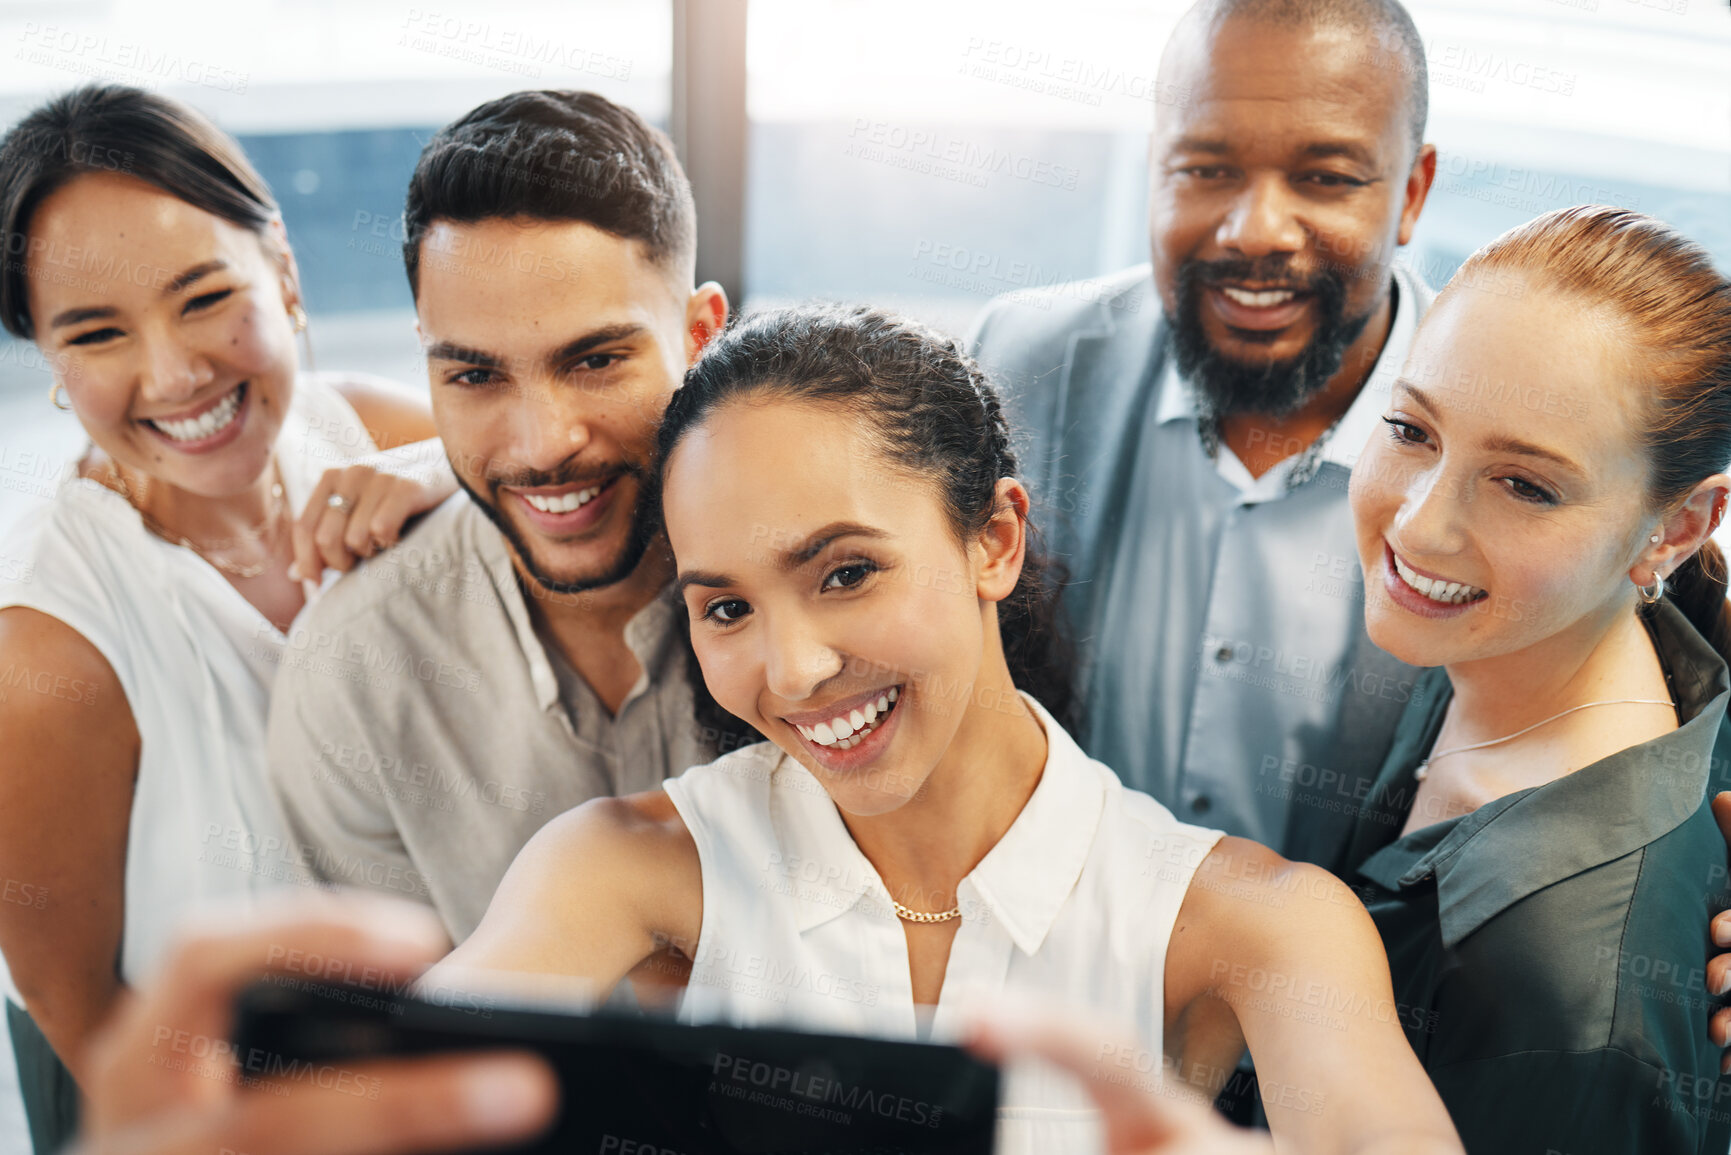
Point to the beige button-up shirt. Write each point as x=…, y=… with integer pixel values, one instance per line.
x=421, y=731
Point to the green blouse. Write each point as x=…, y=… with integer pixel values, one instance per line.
x=1549, y=949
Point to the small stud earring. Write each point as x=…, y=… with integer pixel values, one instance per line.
x=1654, y=539
x=299, y=316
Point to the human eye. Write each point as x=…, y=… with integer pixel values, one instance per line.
x=94, y=336
x=1528, y=491
x=206, y=300
x=473, y=378
x=725, y=611
x=599, y=361
x=1332, y=180
x=1205, y=172
x=849, y=575
x=1405, y=432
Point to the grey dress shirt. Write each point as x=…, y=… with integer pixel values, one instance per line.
x=421, y=731
x=1226, y=669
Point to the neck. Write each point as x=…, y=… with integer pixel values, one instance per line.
x=924, y=848
x=578, y=619
x=1603, y=657
x=1261, y=442
x=199, y=518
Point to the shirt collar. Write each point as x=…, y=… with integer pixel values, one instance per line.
x=1533, y=838
x=1022, y=882
x=1343, y=443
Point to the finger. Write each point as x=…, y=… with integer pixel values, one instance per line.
x=1720, y=1029
x=404, y=502
x=210, y=961
x=358, y=532
x=328, y=535
x=1134, y=1117
x=1718, y=972
x=382, y=1108
x=1722, y=814
x=307, y=564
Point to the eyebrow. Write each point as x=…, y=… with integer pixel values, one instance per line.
x=193, y=274
x=1499, y=443
x=787, y=559
x=1346, y=149
x=1212, y=145
x=94, y=312
x=570, y=351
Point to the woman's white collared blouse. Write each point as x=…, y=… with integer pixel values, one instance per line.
x=1076, y=904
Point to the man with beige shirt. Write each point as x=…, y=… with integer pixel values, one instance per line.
x=516, y=654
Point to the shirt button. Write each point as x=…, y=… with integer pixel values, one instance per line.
x=1223, y=654
x=1201, y=803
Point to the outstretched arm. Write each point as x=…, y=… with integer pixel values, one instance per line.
x=598, y=890
x=1283, y=956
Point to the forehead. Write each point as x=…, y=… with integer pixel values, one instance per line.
x=1252, y=82
x=760, y=475
x=1544, y=366
x=121, y=236
x=518, y=279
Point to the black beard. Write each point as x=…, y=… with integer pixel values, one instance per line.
x=1225, y=387
x=643, y=531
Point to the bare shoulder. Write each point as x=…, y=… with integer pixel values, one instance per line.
x=1247, y=904
x=596, y=890
x=394, y=413
x=58, y=677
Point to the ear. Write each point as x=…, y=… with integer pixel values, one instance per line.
x=1683, y=530
x=1004, y=542
x=276, y=247
x=705, y=316
x=1418, y=183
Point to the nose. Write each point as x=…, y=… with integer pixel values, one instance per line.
x=796, y=660
x=1433, y=517
x=173, y=372
x=550, y=427
x=1260, y=220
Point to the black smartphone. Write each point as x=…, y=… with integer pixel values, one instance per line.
x=644, y=1086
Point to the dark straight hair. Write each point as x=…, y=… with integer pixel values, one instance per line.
x=114, y=128
x=934, y=413
x=554, y=155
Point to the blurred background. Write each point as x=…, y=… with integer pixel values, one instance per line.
x=927, y=156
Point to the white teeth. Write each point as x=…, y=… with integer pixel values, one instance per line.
x=564, y=502
x=1437, y=590
x=205, y=424
x=846, y=733
x=1266, y=299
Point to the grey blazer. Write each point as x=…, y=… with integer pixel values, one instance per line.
x=1237, y=694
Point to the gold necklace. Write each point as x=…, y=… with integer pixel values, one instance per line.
x=923, y=916
x=255, y=534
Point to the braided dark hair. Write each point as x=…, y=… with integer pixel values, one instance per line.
x=934, y=412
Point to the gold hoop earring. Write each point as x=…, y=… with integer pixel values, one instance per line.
x=54, y=397
x=1651, y=594
x=300, y=317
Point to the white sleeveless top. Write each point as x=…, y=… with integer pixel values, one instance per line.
x=1076, y=902
x=196, y=661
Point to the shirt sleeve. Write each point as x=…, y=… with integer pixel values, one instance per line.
x=1582, y=1103
x=328, y=777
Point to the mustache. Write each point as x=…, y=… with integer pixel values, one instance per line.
x=571, y=474
x=1270, y=272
